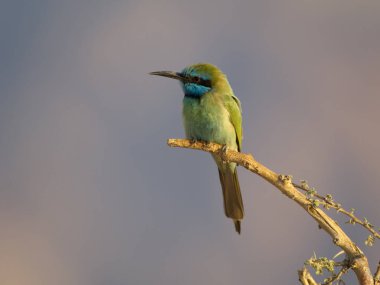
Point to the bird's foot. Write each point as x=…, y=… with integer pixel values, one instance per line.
x=194, y=141
x=223, y=152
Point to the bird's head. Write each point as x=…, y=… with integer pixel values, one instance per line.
x=198, y=79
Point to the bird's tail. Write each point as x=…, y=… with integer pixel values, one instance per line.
x=233, y=202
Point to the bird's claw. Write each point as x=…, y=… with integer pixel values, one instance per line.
x=194, y=141
x=223, y=152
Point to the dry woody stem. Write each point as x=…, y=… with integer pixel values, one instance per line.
x=358, y=261
x=305, y=277
x=377, y=275
x=328, y=203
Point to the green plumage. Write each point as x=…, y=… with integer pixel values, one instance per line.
x=212, y=113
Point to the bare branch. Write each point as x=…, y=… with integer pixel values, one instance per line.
x=283, y=183
x=377, y=276
x=328, y=203
x=336, y=277
x=305, y=277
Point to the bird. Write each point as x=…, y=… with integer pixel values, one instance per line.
x=212, y=113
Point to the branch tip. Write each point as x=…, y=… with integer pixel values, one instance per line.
x=309, y=203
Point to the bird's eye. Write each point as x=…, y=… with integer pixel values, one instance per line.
x=197, y=79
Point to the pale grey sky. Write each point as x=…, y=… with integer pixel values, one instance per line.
x=91, y=194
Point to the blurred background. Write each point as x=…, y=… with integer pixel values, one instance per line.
x=91, y=194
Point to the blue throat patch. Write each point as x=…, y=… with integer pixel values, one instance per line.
x=194, y=90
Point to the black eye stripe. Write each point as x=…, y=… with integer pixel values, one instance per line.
x=206, y=82
x=200, y=81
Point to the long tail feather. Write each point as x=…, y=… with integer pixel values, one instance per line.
x=233, y=202
x=237, y=226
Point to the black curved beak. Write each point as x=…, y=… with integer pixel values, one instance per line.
x=169, y=74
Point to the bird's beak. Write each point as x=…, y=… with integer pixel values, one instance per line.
x=170, y=74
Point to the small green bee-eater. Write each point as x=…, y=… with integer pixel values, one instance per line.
x=212, y=113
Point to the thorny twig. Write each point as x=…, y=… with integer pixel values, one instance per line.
x=328, y=202
x=283, y=183
x=336, y=277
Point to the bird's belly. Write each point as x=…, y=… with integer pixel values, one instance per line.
x=208, y=122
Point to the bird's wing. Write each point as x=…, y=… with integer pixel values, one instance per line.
x=233, y=107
